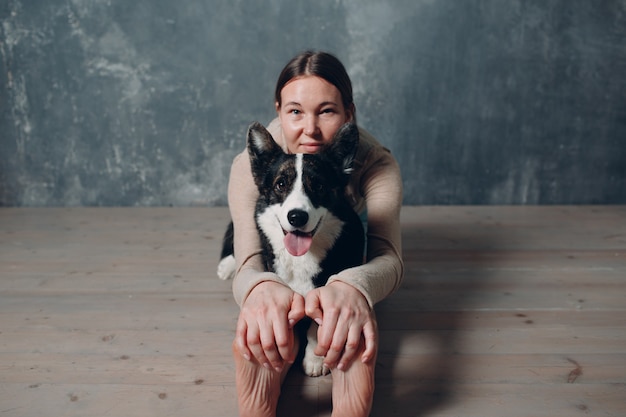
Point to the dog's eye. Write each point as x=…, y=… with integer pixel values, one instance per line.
x=318, y=188
x=280, y=185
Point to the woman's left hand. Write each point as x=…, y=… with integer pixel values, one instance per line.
x=345, y=319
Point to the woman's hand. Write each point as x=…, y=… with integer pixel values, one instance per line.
x=345, y=319
x=265, y=325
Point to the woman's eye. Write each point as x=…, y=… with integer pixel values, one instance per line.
x=295, y=112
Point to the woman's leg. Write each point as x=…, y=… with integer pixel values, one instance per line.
x=258, y=388
x=353, y=389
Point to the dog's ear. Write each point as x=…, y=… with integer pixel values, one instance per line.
x=262, y=150
x=343, y=147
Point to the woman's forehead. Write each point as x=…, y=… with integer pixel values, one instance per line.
x=309, y=88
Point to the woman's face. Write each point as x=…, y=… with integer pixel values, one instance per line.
x=311, y=113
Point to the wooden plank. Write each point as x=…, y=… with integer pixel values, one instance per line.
x=122, y=310
x=500, y=400
x=128, y=400
x=448, y=400
x=212, y=366
x=161, y=329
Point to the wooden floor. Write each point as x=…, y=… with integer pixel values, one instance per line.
x=504, y=311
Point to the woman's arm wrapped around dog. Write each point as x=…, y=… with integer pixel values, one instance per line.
x=379, y=183
x=242, y=197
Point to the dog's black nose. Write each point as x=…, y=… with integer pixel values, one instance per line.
x=297, y=218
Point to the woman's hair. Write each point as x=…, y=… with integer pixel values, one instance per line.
x=320, y=64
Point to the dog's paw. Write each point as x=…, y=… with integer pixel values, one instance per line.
x=226, y=268
x=313, y=365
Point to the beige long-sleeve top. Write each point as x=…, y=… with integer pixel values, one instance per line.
x=375, y=187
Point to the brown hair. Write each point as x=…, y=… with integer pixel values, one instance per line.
x=320, y=64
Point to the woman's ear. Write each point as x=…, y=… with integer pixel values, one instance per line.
x=351, y=111
x=277, y=105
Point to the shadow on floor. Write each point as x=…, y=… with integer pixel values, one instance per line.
x=419, y=326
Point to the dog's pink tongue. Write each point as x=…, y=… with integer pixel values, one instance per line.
x=297, y=244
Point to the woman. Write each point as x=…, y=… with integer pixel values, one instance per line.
x=313, y=98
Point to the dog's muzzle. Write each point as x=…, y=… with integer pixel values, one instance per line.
x=298, y=242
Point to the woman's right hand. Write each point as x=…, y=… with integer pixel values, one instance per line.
x=265, y=325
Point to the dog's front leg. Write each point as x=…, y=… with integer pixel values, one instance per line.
x=313, y=365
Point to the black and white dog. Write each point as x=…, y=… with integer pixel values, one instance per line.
x=307, y=227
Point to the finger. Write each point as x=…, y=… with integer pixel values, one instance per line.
x=254, y=344
x=370, y=333
x=270, y=350
x=353, y=343
x=297, y=310
x=337, y=346
x=284, y=337
x=313, y=307
x=326, y=334
x=240, y=339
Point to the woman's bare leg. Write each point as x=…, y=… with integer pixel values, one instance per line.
x=353, y=389
x=258, y=388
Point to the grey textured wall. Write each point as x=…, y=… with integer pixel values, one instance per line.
x=145, y=102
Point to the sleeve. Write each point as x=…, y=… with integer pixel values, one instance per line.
x=242, y=196
x=382, y=189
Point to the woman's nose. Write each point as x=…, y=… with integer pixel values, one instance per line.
x=311, y=127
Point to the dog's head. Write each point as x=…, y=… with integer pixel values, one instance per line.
x=298, y=190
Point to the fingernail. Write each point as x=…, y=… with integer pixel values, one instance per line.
x=246, y=356
x=267, y=365
x=292, y=322
x=318, y=321
x=278, y=369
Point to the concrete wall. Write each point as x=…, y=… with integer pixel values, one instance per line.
x=145, y=102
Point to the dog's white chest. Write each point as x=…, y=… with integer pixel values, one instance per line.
x=297, y=272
